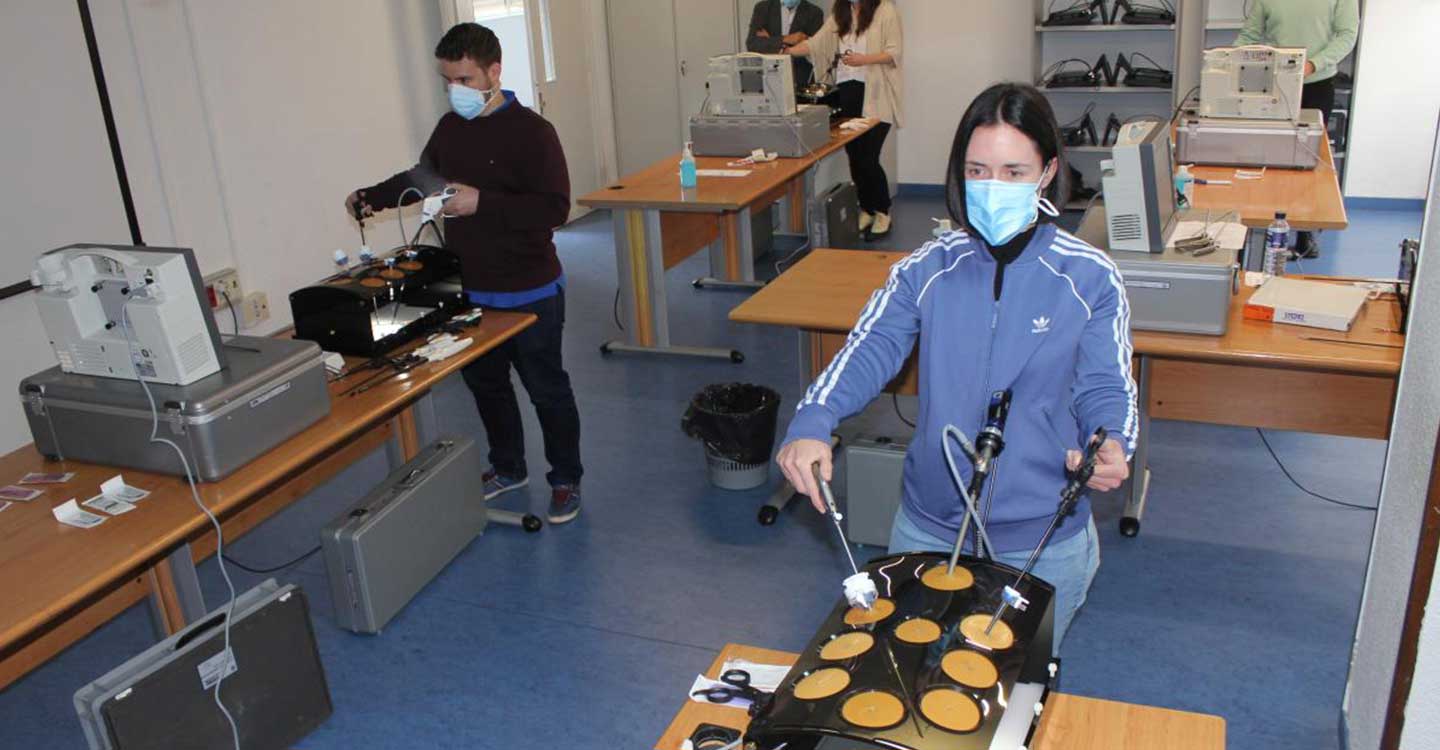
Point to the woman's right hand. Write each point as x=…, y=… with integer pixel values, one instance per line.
x=796, y=459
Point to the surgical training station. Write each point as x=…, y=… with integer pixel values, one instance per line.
x=720, y=375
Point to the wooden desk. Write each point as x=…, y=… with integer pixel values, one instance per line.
x=1069, y=722
x=1310, y=198
x=62, y=582
x=1256, y=375
x=658, y=225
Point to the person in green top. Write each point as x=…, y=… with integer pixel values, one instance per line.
x=1327, y=30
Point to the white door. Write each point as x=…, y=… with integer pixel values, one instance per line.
x=703, y=29
x=560, y=46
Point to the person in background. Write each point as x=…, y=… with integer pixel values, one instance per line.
x=1010, y=301
x=777, y=24
x=863, y=42
x=513, y=189
x=1327, y=30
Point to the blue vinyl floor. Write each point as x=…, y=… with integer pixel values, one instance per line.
x=1239, y=597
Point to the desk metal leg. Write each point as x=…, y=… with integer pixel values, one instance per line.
x=1254, y=250
x=175, y=598
x=427, y=424
x=786, y=492
x=737, y=242
x=1140, y=478
x=815, y=218
x=640, y=262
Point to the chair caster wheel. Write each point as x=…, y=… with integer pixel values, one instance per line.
x=698, y=284
x=531, y=523
x=768, y=514
x=737, y=357
x=1129, y=527
x=604, y=350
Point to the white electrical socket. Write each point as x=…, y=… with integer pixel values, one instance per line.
x=256, y=308
x=222, y=283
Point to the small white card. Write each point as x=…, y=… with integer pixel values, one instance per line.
x=70, y=514
x=115, y=487
x=40, y=477
x=722, y=172
x=112, y=505
x=23, y=494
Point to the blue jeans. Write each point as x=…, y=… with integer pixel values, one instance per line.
x=1069, y=564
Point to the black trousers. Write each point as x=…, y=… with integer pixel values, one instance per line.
x=1319, y=95
x=865, y=171
x=536, y=356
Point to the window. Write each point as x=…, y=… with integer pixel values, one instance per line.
x=546, y=41
x=490, y=10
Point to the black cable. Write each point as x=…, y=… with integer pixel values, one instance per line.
x=1153, y=64
x=1181, y=105
x=234, y=319
x=895, y=400
x=263, y=571
x=618, y=324
x=1302, y=487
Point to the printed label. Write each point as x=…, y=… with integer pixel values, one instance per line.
x=1148, y=284
x=210, y=668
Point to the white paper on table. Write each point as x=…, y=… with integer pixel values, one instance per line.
x=1228, y=235
x=70, y=514
x=115, y=487
x=765, y=677
x=1254, y=278
x=705, y=683
x=109, y=504
x=722, y=173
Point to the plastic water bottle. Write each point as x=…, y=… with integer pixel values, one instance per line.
x=1184, y=186
x=687, y=166
x=1277, y=246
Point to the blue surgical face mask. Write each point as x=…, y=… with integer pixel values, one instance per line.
x=468, y=102
x=999, y=210
x=791, y=4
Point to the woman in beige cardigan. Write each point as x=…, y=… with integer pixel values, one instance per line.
x=859, y=49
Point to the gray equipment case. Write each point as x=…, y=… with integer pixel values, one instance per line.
x=1251, y=143
x=874, y=469
x=164, y=697
x=787, y=135
x=1171, y=291
x=382, y=553
x=270, y=390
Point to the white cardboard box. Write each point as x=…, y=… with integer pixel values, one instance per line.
x=1316, y=304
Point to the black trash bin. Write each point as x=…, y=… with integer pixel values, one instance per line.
x=736, y=423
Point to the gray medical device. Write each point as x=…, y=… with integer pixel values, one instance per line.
x=380, y=554
x=89, y=294
x=1139, y=189
x=1253, y=82
x=792, y=135
x=874, y=467
x=1251, y=143
x=275, y=687
x=271, y=389
x=1171, y=291
x=750, y=84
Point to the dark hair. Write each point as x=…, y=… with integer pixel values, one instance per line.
x=1023, y=107
x=469, y=40
x=842, y=9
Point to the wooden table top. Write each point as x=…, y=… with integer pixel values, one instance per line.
x=658, y=185
x=1069, y=721
x=50, y=568
x=826, y=290
x=1310, y=198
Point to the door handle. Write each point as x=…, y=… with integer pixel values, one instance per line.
x=682, y=67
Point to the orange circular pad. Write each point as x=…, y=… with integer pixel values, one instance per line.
x=970, y=668
x=873, y=709
x=999, y=638
x=918, y=631
x=937, y=578
x=950, y=709
x=883, y=608
x=847, y=646
x=822, y=683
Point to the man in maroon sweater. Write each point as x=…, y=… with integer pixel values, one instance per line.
x=513, y=189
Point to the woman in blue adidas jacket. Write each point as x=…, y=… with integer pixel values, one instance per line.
x=1011, y=301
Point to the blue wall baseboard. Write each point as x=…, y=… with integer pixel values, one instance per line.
x=1381, y=204
x=920, y=190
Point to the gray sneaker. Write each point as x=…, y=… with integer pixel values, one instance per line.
x=497, y=485
x=564, y=503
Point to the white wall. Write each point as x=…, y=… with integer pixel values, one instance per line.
x=1396, y=100
x=249, y=123
x=1422, y=713
x=954, y=49
x=1403, y=488
x=515, y=73
x=58, y=180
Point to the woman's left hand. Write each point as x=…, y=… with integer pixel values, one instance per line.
x=855, y=59
x=1111, y=468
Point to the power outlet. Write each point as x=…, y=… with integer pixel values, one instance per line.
x=221, y=284
x=256, y=308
